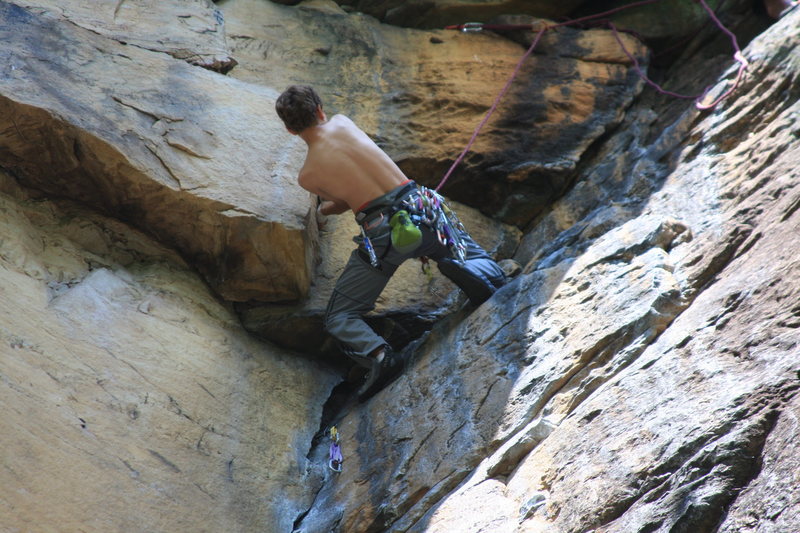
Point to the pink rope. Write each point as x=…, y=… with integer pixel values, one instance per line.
x=639, y=70
x=738, y=56
x=492, y=109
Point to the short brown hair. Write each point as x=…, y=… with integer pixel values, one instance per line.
x=297, y=107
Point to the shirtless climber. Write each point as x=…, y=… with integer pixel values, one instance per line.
x=399, y=220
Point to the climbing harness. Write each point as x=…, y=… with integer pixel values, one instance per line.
x=427, y=207
x=423, y=206
x=471, y=27
x=335, y=452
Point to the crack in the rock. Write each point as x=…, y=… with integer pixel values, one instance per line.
x=339, y=401
x=298, y=521
x=737, y=463
x=164, y=164
x=155, y=116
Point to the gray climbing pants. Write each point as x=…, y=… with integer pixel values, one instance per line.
x=361, y=283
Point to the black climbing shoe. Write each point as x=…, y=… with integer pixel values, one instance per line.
x=379, y=375
x=475, y=285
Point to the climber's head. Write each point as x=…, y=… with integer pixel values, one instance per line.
x=299, y=107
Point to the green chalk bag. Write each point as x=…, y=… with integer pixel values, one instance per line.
x=406, y=237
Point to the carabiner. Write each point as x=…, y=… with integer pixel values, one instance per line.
x=472, y=27
x=373, y=259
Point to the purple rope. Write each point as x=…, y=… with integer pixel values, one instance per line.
x=738, y=56
x=492, y=109
x=641, y=73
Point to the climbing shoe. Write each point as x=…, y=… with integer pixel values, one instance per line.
x=475, y=285
x=380, y=374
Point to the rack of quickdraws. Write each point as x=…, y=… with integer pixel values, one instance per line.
x=428, y=207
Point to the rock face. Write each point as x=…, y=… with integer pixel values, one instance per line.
x=653, y=21
x=127, y=386
x=191, y=157
x=639, y=375
x=192, y=30
x=423, y=94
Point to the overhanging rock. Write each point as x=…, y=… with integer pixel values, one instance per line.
x=190, y=30
x=440, y=13
x=421, y=94
x=196, y=159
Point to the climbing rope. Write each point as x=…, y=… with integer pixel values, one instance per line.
x=738, y=56
x=492, y=109
x=477, y=26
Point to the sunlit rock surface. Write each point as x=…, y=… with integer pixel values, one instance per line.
x=421, y=94
x=639, y=374
x=192, y=30
x=194, y=158
x=133, y=400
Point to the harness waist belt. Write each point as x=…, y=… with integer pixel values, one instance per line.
x=383, y=203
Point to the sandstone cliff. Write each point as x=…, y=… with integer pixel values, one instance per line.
x=162, y=364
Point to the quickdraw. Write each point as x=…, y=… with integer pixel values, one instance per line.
x=429, y=208
x=373, y=258
x=335, y=452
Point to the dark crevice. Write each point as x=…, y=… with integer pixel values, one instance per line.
x=735, y=464
x=298, y=522
x=752, y=469
x=334, y=408
x=338, y=404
